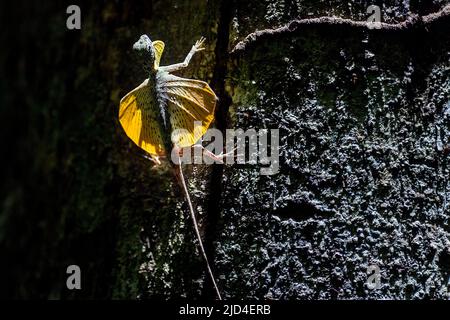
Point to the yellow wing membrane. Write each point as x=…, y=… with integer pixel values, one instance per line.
x=139, y=118
x=159, y=48
x=188, y=101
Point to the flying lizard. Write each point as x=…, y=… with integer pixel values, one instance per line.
x=166, y=112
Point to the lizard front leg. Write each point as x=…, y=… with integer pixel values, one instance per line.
x=198, y=46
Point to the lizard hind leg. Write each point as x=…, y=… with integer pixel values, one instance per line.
x=217, y=158
x=154, y=159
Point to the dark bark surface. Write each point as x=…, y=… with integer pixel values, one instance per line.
x=364, y=121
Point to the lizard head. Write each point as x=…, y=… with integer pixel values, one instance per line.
x=144, y=47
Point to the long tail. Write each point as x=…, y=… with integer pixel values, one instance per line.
x=197, y=232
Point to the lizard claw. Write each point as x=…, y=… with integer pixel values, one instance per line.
x=198, y=46
x=155, y=160
x=225, y=155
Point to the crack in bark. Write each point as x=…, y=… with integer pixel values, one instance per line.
x=412, y=22
x=221, y=120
